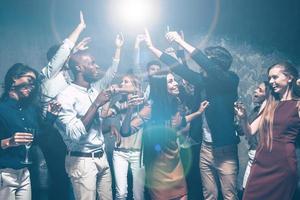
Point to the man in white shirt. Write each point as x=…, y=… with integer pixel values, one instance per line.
x=80, y=126
x=55, y=79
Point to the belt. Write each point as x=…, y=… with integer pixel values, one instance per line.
x=97, y=154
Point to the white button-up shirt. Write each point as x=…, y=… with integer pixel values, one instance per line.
x=75, y=101
x=56, y=79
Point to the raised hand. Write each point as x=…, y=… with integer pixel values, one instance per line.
x=82, y=22
x=82, y=45
x=139, y=38
x=119, y=40
x=173, y=36
x=148, y=38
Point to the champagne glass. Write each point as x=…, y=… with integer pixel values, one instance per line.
x=26, y=161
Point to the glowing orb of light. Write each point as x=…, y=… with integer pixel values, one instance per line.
x=135, y=12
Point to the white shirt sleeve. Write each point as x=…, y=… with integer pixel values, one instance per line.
x=58, y=60
x=69, y=124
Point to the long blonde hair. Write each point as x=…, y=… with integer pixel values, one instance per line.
x=266, y=124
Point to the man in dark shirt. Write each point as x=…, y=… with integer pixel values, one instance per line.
x=17, y=113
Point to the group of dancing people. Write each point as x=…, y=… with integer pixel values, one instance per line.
x=66, y=109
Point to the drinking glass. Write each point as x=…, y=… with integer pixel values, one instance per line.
x=26, y=161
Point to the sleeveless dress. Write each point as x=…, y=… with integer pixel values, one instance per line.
x=273, y=175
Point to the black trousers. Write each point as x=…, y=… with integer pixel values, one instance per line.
x=54, y=151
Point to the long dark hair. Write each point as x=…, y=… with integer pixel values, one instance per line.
x=17, y=71
x=164, y=105
x=158, y=132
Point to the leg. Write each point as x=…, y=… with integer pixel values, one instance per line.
x=138, y=174
x=82, y=172
x=120, y=165
x=227, y=167
x=193, y=178
x=104, y=189
x=24, y=190
x=59, y=183
x=8, y=184
x=207, y=171
x=251, y=154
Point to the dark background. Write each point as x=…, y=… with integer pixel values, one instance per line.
x=29, y=27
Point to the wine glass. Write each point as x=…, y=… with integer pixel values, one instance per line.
x=28, y=145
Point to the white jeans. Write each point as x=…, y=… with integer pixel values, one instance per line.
x=15, y=184
x=89, y=176
x=121, y=161
x=251, y=154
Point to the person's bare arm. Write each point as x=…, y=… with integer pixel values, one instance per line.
x=150, y=45
x=175, y=37
x=248, y=129
x=196, y=114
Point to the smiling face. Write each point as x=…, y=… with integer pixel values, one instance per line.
x=172, y=85
x=278, y=80
x=24, y=85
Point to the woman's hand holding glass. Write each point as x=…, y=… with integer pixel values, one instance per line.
x=20, y=138
x=32, y=132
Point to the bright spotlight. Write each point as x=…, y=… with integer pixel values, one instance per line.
x=135, y=12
